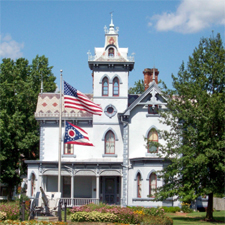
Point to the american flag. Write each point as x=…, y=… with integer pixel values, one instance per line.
x=75, y=135
x=77, y=100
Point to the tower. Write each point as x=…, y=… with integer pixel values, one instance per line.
x=110, y=71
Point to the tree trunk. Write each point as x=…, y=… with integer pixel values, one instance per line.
x=209, y=213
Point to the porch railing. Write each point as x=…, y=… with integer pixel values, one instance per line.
x=79, y=201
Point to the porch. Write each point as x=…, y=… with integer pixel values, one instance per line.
x=80, y=184
x=71, y=202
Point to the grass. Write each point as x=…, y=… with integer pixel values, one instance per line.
x=197, y=218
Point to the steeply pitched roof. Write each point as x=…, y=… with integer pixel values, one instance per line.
x=48, y=106
x=141, y=100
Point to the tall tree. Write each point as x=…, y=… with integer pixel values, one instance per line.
x=19, y=134
x=195, y=144
x=138, y=88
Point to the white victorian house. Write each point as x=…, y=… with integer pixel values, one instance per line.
x=119, y=169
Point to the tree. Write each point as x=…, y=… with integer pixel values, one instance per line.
x=195, y=114
x=19, y=132
x=138, y=88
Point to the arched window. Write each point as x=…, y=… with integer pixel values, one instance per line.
x=111, y=52
x=105, y=87
x=68, y=149
x=33, y=185
x=109, y=143
x=139, y=185
x=152, y=184
x=152, y=137
x=115, y=86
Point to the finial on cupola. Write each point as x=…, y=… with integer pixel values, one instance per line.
x=154, y=73
x=111, y=24
x=111, y=27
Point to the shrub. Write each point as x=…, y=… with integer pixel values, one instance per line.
x=124, y=215
x=157, y=220
x=185, y=207
x=2, y=215
x=11, y=209
x=93, y=216
x=171, y=209
x=154, y=212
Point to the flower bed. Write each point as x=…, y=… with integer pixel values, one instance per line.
x=11, y=209
x=116, y=214
x=31, y=222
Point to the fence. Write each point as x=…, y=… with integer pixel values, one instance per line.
x=79, y=201
x=219, y=203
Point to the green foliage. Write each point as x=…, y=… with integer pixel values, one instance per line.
x=19, y=132
x=127, y=215
x=154, y=211
x=195, y=143
x=156, y=220
x=93, y=216
x=185, y=207
x=171, y=209
x=124, y=215
x=138, y=88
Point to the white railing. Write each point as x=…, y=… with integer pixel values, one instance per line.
x=78, y=114
x=3, y=197
x=79, y=201
x=94, y=57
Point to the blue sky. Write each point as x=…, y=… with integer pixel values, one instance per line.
x=160, y=33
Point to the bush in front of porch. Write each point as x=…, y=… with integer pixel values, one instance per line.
x=123, y=215
x=93, y=216
x=127, y=215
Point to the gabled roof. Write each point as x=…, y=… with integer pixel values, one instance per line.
x=142, y=100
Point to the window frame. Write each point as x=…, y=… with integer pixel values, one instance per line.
x=105, y=86
x=33, y=184
x=151, y=111
x=151, y=185
x=156, y=140
x=116, y=78
x=111, y=54
x=139, y=185
x=113, y=135
x=65, y=152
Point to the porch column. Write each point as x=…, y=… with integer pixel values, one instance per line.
x=40, y=182
x=121, y=190
x=72, y=189
x=97, y=188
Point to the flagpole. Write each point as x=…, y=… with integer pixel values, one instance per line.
x=60, y=134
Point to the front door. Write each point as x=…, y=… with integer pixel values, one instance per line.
x=66, y=187
x=109, y=190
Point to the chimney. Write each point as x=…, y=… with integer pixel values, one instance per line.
x=148, y=76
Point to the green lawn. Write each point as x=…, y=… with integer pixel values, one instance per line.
x=197, y=218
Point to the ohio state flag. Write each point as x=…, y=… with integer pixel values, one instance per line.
x=75, y=135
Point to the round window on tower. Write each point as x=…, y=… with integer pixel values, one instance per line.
x=110, y=111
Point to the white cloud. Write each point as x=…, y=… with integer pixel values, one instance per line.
x=192, y=16
x=10, y=48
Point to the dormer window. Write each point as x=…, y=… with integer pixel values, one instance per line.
x=111, y=52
